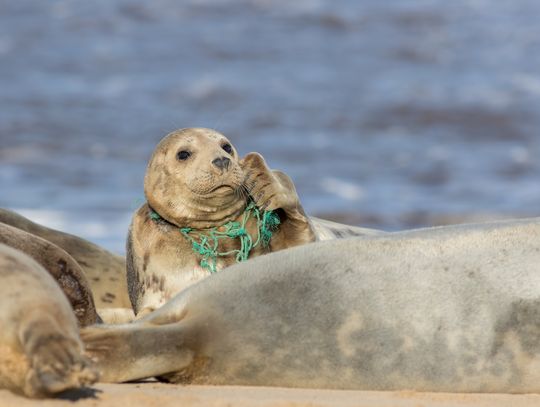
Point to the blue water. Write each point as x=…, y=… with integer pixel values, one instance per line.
x=388, y=114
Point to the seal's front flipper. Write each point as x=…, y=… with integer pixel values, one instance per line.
x=136, y=351
x=56, y=359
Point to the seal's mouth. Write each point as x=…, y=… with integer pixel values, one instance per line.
x=222, y=188
x=218, y=186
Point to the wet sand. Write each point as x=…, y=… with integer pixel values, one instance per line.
x=164, y=395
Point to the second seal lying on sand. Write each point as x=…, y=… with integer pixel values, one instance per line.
x=205, y=210
x=453, y=309
x=40, y=349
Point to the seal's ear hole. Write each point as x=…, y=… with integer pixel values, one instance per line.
x=228, y=148
x=183, y=155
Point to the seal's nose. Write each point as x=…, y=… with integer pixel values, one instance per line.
x=222, y=163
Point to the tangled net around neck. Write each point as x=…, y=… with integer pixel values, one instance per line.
x=207, y=244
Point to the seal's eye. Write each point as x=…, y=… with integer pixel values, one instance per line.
x=183, y=155
x=228, y=148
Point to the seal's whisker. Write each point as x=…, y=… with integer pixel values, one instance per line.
x=238, y=193
x=245, y=191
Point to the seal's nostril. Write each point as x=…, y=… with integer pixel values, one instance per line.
x=226, y=161
x=222, y=163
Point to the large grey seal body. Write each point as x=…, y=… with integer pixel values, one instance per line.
x=105, y=271
x=60, y=265
x=447, y=309
x=40, y=350
x=195, y=179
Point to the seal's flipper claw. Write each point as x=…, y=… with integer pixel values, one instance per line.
x=56, y=361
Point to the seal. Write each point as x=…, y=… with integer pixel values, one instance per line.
x=40, y=350
x=207, y=209
x=60, y=265
x=105, y=271
x=453, y=309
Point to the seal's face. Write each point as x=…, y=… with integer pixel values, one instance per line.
x=194, y=175
x=204, y=161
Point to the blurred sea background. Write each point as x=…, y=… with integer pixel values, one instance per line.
x=387, y=114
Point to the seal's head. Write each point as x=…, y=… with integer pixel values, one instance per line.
x=194, y=179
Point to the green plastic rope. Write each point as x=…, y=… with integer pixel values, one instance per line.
x=207, y=245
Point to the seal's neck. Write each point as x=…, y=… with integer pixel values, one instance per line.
x=201, y=213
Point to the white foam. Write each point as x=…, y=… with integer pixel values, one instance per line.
x=343, y=189
x=49, y=218
x=528, y=83
x=109, y=234
x=520, y=155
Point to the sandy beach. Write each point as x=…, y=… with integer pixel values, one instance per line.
x=164, y=395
